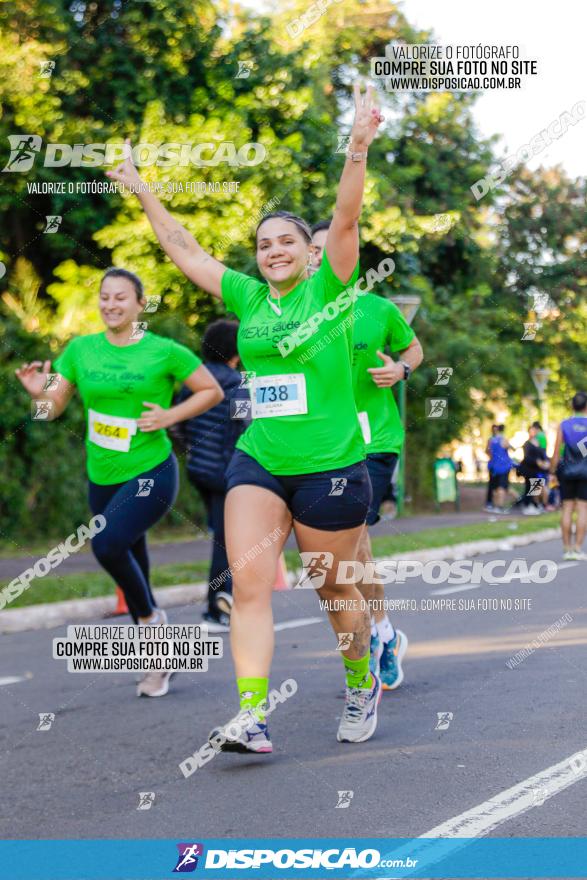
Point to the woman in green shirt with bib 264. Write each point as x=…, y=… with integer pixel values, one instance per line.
x=125, y=378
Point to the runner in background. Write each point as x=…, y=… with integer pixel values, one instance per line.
x=534, y=466
x=499, y=467
x=490, y=482
x=378, y=324
x=125, y=379
x=301, y=462
x=544, y=475
x=569, y=463
x=210, y=440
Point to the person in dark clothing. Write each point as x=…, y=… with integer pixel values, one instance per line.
x=210, y=441
x=533, y=467
x=569, y=463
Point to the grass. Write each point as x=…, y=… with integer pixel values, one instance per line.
x=161, y=535
x=430, y=538
x=90, y=585
x=93, y=584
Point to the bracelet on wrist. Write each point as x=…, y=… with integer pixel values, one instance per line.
x=357, y=156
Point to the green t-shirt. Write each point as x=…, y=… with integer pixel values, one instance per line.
x=113, y=381
x=378, y=323
x=327, y=435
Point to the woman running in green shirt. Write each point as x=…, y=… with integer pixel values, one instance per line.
x=300, y=464
x=125, y=379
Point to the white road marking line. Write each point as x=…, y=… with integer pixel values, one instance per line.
x=514, y=801
x=447, y=590
x=514, y=577
x=301, y=621
x=14, y=679
x=486, y=817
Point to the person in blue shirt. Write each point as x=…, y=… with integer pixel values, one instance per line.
x=499, y=466
x=569, y=463
x=210, y=441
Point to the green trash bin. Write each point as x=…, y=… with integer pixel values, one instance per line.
x=446, y=487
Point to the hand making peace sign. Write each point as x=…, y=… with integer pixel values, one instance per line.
x=367, y=117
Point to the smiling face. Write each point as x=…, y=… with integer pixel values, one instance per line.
x=282, y=253
x=119, y=305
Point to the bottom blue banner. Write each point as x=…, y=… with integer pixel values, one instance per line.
x=286, y=858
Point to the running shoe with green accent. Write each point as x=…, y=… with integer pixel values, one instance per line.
x=359, y=717
x=390, y=665
x=243, y=734
x=375, y=651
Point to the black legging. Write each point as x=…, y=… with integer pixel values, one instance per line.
x=121, y=547
x=213, y=492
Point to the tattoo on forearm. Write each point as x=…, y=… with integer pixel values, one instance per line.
x=177, y=238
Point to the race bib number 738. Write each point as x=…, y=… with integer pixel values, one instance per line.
x=281, y=395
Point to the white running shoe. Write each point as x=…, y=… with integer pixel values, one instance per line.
x=359, y=718
x=155, y=683
x=243, y=734
x=530, y=510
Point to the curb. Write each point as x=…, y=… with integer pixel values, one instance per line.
x=55, y=614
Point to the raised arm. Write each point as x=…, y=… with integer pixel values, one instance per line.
x=180, y=245
x=34, y=378
x=342, y=242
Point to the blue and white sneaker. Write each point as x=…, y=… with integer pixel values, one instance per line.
x=375, y=651
x=243, y=734
x=359, y=718
x=393, y=653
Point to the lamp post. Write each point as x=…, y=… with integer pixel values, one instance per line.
x=408, y=304
x=540, y=377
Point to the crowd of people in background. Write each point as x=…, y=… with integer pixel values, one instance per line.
x=550, y=483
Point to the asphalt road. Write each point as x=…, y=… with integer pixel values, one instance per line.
x=82, y=777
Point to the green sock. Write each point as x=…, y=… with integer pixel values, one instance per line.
x=252, y=694
x=357, y=672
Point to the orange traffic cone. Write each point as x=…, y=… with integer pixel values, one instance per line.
x=281, y=582
x=121, y=606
